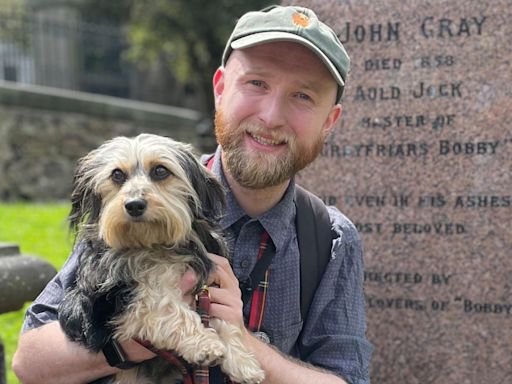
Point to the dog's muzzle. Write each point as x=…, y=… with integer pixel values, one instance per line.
x=136, y=207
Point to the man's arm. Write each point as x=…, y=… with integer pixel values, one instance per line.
x=227, y=305
x=334, y=333
x=280, y=369
x=45, y=355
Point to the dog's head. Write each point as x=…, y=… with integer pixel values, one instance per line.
x=137, y=192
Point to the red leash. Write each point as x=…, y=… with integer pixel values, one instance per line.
x=199, y=375
x=202, y=374
x=171, y=358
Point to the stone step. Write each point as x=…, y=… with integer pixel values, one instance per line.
x=9, y=249
x=22, y=278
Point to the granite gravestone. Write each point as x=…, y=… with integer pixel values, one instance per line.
x=422, y=163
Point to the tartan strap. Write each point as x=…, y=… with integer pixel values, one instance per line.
x=201, y=374
x=196, y=375
x=171, y=358
x=259, y=279
x=255, y=289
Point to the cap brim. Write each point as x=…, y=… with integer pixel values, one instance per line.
x=268, y=37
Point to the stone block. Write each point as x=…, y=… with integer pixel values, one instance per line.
x=22, y=278
x=9, y=249
x=421, y=162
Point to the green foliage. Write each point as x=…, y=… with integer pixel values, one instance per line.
x=39, y=230
x=12, y=19
x=190, y=34
x=109, y=12
x=12, y=6
x=10, y=325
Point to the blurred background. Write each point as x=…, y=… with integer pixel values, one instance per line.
x=74, y=73
x=157, y=51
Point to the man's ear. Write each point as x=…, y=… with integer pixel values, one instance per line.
x=332, y=119
x=218, y=85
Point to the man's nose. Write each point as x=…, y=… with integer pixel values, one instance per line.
x=273, y=111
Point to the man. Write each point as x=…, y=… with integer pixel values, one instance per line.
x=277, y=97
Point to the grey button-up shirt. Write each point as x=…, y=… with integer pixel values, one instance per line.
x=333, y=334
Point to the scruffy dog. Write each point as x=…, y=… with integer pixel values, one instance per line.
x=144, y=211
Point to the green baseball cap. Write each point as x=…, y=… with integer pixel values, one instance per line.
x=296, y=24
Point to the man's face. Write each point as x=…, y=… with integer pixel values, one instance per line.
x=275, y=104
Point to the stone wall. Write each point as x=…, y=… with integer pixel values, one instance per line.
x=43, y=131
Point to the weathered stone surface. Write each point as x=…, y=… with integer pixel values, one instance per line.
x=22, y=278
x=43, y=131
x=9, y=249
x=422, y=162
x=3, y=376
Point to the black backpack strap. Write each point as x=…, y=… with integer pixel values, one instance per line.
x=314, y=236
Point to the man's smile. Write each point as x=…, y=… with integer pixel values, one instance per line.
x=266, y=141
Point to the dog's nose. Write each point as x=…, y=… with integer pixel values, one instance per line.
x=135, y=207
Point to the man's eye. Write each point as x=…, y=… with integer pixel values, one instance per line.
x=159, y=173
x=118, y=176
x=257, y=83
x=304, y=96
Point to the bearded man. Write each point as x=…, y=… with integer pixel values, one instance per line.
x=277, y=96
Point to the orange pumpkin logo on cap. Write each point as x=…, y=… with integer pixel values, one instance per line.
x=300, y=19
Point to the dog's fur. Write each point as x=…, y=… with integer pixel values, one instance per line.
x=144, y=211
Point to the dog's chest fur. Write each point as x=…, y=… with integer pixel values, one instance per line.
x=116, y=281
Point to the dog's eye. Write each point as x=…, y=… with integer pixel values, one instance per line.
x=159, y=172
x=118, y=176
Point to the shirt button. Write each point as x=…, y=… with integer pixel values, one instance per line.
x=244, y=263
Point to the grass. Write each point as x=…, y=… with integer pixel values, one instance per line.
x=39, y=230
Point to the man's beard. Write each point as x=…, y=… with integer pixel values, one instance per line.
x=258, y=170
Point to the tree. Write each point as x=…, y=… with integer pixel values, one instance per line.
x=191, y=34
x=12, y=18
x=106, y=12
x=12, y=6
x=188, y=35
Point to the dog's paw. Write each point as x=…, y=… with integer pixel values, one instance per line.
x=206, y=352
x=244, y=370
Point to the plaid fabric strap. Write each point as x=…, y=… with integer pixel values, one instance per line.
x=173, y=359
x=256, y=288
x=201, y=374
x=259, y=278
x=258, y=282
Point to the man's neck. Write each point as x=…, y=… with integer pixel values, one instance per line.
x=255, y=202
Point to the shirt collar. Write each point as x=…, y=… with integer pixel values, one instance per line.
x=275, y=221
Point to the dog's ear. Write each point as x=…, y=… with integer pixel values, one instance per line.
x=209, y=191
x=85, y=203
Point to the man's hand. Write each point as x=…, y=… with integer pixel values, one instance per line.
x=225, y=294
x=226, y=304
x=187, y=284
